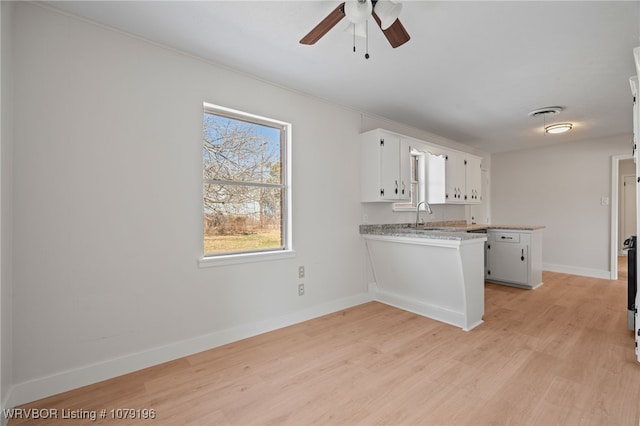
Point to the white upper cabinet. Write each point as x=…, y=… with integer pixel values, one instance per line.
x=385, y=171
x=473, y=177
x=449, y=176
x=456, y=180
x=436, y=178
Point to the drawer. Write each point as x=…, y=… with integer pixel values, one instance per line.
x=506, y=237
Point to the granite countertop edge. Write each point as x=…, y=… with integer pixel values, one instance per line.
x=445, y=230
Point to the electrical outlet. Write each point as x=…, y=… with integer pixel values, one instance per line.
x=300, y=289
x=300, y=271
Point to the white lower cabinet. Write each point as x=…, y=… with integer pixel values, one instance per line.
x=514, y=257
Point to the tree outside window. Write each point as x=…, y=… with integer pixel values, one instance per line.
x=244, y=194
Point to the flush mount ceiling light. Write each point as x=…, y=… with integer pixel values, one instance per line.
x=552, y=128
x=558, y=128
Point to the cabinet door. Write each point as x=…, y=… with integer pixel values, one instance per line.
x=436, y=178
x=455, y=175
x=385, y=167
x=390, y=168
x=473, y=175
x=507, y=262
x=395, y=168
x=405, y=170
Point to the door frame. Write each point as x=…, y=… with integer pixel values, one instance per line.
x=622, y=205
x=615, y=187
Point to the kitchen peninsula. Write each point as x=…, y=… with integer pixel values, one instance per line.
x=438, y=270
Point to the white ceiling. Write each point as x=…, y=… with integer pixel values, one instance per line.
x=471, y=72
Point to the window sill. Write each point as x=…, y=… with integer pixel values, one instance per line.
x=404, y=209
x=235, y=259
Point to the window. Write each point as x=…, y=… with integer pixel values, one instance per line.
x=246, y=191
x=418, y=187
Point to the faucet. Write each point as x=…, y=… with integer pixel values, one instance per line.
x=418, y=211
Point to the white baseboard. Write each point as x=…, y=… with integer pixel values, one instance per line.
x=425, y=309
x=42, y=387
x=574, y=270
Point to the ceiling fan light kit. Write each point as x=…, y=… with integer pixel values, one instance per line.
x=388, y=11
x=358, y=11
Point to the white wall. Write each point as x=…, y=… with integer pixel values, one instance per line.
x=6, y=134
x=107, y=207
x=561, y=187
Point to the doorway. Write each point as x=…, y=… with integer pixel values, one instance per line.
x=623, y=206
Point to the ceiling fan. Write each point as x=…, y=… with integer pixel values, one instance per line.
x=384, y=12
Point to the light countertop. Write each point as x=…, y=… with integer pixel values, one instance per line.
x=448, y=230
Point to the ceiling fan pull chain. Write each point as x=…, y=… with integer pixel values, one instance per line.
x=354, y=38
x=366, y=38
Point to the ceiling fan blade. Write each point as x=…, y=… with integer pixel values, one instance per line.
x=396, y=34
x=324, y=26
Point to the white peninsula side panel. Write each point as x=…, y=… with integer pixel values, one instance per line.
x=436, y=278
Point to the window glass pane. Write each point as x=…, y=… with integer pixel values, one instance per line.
x=240, y=218
x=245, y=196
x=236, y=150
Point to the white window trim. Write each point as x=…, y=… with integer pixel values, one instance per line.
x=422, y=187
x=259, y=256
x=235, y=259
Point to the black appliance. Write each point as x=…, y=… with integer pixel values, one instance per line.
x=632, y=280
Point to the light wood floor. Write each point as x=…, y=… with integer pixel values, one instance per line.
x=557, y=355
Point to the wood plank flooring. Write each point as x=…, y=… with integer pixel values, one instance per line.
x=557, y=355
